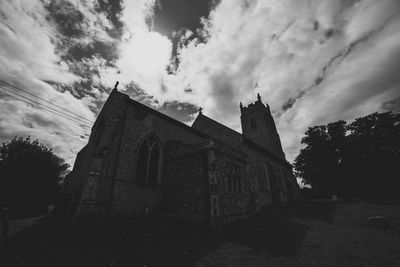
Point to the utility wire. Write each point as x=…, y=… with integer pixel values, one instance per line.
x=38, y=103
x=18, y=88
x=47, y=109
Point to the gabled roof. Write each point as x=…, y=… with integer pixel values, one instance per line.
x=266, y=151
x=217, y=130
x=167, y=118
x=230, y=136
x=206, y=127
x=193, y=129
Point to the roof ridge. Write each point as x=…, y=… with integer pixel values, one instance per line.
x=199, y=132
x=201, y=114
x=158, y=113
x=246, y=140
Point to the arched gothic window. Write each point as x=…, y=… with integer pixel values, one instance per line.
x=147, y=168
x=265, y=173
x=253, y=123
x=233, y=181
x=272, y=178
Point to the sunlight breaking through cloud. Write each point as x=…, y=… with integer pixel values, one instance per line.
x=312, y=61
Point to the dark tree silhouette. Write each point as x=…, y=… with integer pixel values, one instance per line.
x=374, y=155
x=31, y=175
x=359, y=159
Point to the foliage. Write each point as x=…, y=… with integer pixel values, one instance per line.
x=31, y=175
x=356, y=159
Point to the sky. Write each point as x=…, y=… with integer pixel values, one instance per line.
x=312, y=61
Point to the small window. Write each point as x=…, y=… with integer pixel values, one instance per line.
x=148, y=161
x=272, y=178
x=98, y=134
x=253, y=123
x=233, y=182
x=260, y=176
x=229, y=184
x=265, y=174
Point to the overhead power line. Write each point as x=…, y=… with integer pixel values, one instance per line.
x=66, y=110
x=40, y=105
x=44, y=108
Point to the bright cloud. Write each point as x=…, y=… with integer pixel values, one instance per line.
x=28, y=60
x=313, y=62
x=143, y=58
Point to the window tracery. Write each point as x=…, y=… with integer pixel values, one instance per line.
x=147, y=169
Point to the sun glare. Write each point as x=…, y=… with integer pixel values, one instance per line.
x=147, y=53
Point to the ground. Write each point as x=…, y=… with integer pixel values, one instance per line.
x=312, y=233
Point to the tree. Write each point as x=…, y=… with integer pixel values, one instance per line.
x=31, y=175
x=358, y=159
x=374, y=152
x=318, y=161
x=310, y=163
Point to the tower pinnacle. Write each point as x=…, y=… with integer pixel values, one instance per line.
x=116, y=85
x=258, y=97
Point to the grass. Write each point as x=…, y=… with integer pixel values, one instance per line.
x=318, y=233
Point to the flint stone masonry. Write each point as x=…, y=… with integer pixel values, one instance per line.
x=184, y=185
x=139, y=162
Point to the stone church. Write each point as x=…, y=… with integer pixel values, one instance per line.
x=139, y=161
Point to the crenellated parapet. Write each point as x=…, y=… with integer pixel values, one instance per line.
x=259, y=127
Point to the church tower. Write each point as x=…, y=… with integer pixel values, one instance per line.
x=258, y=126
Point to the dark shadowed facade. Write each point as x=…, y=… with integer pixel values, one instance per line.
x=139, y=161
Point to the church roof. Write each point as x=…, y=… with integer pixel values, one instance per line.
x=167, y=118
x=217, y=130
x=229, y=136
x=207, y=127
x=188, y=128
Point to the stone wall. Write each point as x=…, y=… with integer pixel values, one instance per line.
x=280, y=171
x=229, y=196
x=281, y=179
x=184, y=184
x=195, y=170
x=130, y=197
x=91, y=178
x=72, y=186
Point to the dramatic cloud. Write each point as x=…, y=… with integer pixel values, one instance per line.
x=52, y=50
x=313, y=62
